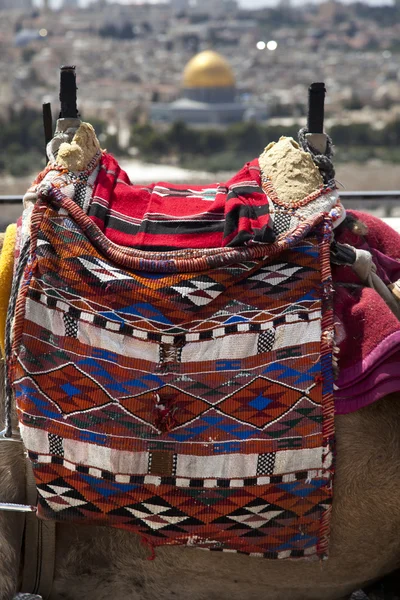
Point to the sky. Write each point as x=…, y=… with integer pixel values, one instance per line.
x=261, y=3
x=243, y=3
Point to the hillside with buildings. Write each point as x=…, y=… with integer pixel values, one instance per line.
x=209, y=64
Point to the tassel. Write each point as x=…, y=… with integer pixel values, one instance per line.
x=150, y=546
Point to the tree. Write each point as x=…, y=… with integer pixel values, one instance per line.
x=182, y=139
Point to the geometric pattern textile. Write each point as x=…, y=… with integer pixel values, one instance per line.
x=184, y=395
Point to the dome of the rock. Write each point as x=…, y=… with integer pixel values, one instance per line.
x=208, y=69
x=208, y=95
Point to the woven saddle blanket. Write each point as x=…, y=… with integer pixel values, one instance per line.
x=165, y=216
x=185, y=394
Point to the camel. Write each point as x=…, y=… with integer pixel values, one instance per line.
x=98, y=563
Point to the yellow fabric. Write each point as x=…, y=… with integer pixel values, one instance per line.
x=6, y=276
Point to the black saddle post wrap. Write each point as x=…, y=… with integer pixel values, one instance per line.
x=316, y=108
x=68, y=91
x=47, y=124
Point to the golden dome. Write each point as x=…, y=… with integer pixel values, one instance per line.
x=208, y=69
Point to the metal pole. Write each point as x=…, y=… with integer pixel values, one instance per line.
x=316, y=107
x=47, y=124
x=9, y=507
x=68, y=93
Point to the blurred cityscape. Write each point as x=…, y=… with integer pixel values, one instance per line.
x=132, y=64
x=129, y=55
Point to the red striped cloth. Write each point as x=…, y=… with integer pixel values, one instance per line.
x=163, y=216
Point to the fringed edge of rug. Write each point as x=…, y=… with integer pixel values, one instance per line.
x=328, y=407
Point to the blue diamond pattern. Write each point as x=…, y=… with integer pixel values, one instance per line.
x=70, y=389
x=260, y=402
